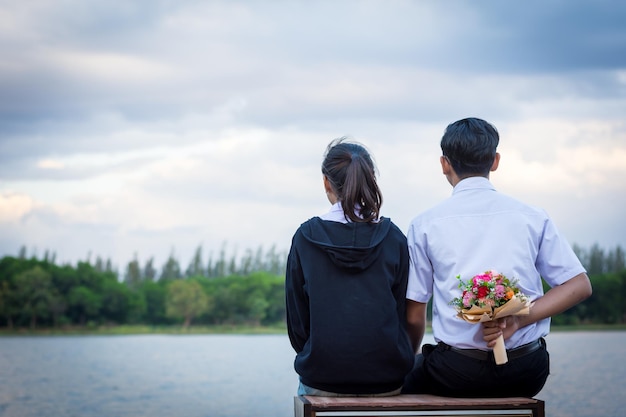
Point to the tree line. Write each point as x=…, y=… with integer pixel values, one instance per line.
x=37, y=292
x=607, y=272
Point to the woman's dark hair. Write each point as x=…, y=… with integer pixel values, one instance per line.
x=352, y=175
x=470, y=146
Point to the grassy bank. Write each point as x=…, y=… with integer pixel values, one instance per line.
x=588, y=327
x=142, y=329
x=222, y=329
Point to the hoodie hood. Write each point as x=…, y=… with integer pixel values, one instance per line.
x=349, y=245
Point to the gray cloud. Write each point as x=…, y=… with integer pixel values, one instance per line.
x=114, y=116
x=212, y=52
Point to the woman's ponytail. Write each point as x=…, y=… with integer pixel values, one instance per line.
x=352, y=174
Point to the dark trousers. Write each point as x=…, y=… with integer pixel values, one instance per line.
x=442, y=371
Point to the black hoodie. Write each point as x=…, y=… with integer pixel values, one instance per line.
x=345, y=291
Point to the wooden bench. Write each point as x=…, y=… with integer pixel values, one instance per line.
x=416, y=405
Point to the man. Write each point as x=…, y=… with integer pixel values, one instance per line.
x=475, y=230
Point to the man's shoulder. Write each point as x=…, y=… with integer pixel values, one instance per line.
x=444, y=208
x=486, y=204
x=512, y=203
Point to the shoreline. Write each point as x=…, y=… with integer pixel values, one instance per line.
x=144, y=329
x=221, y=329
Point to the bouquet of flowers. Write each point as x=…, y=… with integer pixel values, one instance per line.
x=490, y=296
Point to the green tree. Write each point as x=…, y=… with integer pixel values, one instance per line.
x=49, y=258
x=171, y=269
x=153, y=294
x=276, y=262
x=132, y=277
x=616, y=260
x=64, y=279
x=607, y=304
x=8, y=305
x=275, y=296
x=195, y=268
x=224, y=300
x=245, y=266
x=596, y=260
x=34, y=293
x=219, y=267
x=137, y=306
x=86, y=302
x=254, y=299
x=115, y=302
x=185, y=300
x=266, y=298
x=57, y=306
x=149, y=273
x=108, y=267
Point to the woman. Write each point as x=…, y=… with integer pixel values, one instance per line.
x=345, y=287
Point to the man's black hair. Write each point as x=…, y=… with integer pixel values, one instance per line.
x=470, y=146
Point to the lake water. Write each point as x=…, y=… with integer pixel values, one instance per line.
x=242, y=375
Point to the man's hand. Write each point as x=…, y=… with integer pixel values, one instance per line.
x=555, y=301
x=505, y=326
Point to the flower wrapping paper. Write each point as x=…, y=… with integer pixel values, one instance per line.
x=476, y=314
x=491, y=296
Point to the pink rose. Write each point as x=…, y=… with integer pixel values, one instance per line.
x=476, y=281
x=500, y=291
x=468, y=298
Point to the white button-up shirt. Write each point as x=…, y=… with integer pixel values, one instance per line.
x=475, y=230
x=336, y=214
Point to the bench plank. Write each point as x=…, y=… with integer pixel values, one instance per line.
x=416, y=405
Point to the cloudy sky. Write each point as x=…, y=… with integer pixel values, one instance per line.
x=151, y=127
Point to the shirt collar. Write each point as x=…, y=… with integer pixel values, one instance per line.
x=473, y=183
x=336, y=208
x=336, y=214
